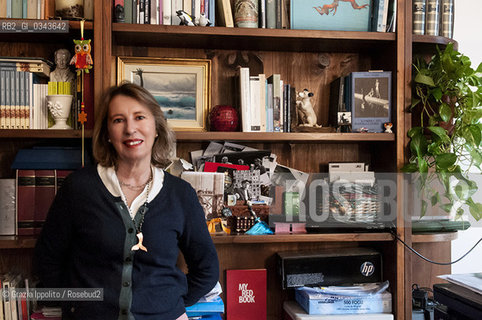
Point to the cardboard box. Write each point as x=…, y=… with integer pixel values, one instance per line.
x=293, y=311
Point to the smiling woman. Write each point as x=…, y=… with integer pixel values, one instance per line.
x=120, y=225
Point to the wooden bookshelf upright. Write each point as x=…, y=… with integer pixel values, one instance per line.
x=304, y=58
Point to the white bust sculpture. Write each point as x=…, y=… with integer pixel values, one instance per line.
x=62, y=72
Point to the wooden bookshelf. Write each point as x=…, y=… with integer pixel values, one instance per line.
x=46, y=134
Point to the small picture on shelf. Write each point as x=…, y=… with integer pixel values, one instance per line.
x=182, y=87
x=370, y=100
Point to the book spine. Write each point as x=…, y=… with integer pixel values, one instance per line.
x=262, y=100
x=142, y=10
x=128, y=11
x=271, y=14
x=275, y=80
x=147, y=12
x=269, y=107
x=9, y=9
x=244, y=99
x=432, y=17
x=135, y=10
x=18, y=75
x=281, y=106
x=44, y=196
x=8, y=213
x=154, y=12
x=32, y=9
x=7, y=300
x=166, y=12
x=25, y=195
x=30, y=97
x=212, y=13
x=254, y=107
x=293, y=113
x=2, y=99
x=22, y=100
x=278, y=13
x=228, y=12
x=447, y=26
x=17, y=9
x=419, y=10
x=176, y=5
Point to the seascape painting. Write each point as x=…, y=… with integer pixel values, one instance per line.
x=181, y=87
x=175, y=93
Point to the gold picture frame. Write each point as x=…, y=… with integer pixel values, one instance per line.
x=182, y=87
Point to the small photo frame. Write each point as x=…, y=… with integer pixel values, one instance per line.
x=182, y=87
x=370, y=100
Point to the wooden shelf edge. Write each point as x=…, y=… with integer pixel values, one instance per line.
x=328, y=237
x=416, y=38
x=254, y=32
x=434, y=237
x=47, y=133
x=17, y=242
x=278, y=136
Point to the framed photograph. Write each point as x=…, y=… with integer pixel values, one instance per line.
x=370, y=100
x=182, y=87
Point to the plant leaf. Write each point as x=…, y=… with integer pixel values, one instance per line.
x=440, y=132
x=445, y=160
x=446, y=207
x=410, y=167
x=414, y=131
x=445, y=112
x=476, y=210
x=476, y=134
x=436, y=93
x=424, y=208
x=424, y=79
x=422, y=165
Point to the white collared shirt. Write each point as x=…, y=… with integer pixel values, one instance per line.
x=109, y=178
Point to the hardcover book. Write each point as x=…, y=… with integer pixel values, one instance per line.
x=447, y=11
x=7, y=207
x=353, y=15
x=432, y=18
x=25, y=202
x=246, y=294
x=370, y=98
x=44, y=196
x=419, y=9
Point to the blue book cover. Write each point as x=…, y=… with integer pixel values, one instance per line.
x=215, y=305
x=49, y=158
x=370, y=98
x=342, y=15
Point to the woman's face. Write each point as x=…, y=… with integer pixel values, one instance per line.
x=131, y=128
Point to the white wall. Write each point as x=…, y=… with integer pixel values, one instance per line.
x=467, y=28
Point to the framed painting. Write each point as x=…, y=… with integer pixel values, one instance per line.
x=182, y=87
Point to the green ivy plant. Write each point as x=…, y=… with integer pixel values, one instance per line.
x=447, y=92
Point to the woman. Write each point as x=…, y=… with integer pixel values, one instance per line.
x=119, y=225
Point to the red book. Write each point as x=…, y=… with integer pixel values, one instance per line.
x=25, y=202
x=246, y=294
x=44, y=196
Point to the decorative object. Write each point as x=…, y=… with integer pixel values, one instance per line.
x=182, y=87
x=246, y=13
x=83, y=63
x=445, y=144
x=344, y=15
x=186, y=18
x=59, y=108
x=69, y=9
x=370, y=100
x=388, y=127
x=306, y=113
x=223, y=118
x=62, y=71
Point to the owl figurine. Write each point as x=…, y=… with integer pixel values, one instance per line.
x=82, y=58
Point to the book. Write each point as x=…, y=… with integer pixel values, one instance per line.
x=447, y=23
x=246, y=294
x=274, y=80
x=337, y=103
x=432, y=18
x=40, y=69
x=380, y=13
x=225, y=13
x=205, y=308
x=244, y=98
x=8, y=221
x=271, y=14
x=350, y=16
x=419, y=8
x=370, y=99
x=293, y=311
x=254, y=104
x=166, y=12
x=25, y=205
x=44, y=196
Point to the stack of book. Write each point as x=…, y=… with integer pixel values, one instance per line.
x=267, y=104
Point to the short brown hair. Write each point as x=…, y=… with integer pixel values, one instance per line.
x=104, y=152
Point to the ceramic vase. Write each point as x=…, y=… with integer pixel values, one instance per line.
x=246, y=13
x=59, y=108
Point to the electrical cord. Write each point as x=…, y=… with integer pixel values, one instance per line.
x=431, y=261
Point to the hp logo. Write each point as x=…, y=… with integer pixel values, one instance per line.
x=367, y=268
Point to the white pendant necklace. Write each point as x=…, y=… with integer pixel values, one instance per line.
x=139, y=235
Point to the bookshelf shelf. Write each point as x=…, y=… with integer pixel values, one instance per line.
x=434, y=237
x=54, y=134
x=284, y=137
x=327, y=237
x=17, y=242
x=426, y=43
x=247, y=38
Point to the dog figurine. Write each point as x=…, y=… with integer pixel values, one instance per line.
x=306, y=113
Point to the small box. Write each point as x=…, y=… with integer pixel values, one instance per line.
x=320, y=303
x=329, y=267
x=342, y=15
x=293, y=311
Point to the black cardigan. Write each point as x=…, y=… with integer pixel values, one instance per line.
x=86, y=241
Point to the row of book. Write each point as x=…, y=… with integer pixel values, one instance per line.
x=37, y=9
x=162, y=11
x=433, y=17
x=379, y=15
x=23, y=91
x=266, y=103
x=26, y=200
x=15, y=303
